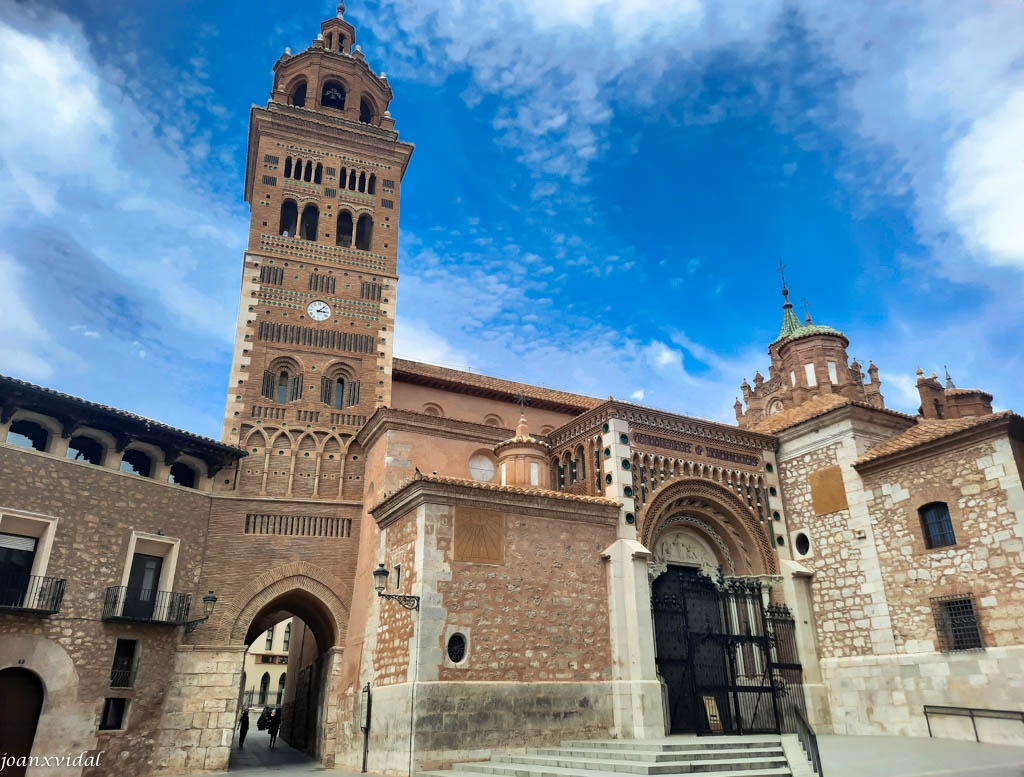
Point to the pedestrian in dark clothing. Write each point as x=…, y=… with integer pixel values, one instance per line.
x=273, y=725
x=243, y=728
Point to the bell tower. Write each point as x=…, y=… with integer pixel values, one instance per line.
x=313, y=344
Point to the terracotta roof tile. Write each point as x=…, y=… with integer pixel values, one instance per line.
x=812, y=408
x=458, y=378
x=928, y=430
x=963, y=392
x=482, y=486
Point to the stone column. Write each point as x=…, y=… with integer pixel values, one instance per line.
x=796, y=585
x=637, y=703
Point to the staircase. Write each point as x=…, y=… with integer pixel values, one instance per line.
x=726, y=756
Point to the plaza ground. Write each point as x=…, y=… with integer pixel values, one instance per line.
x=842, y=756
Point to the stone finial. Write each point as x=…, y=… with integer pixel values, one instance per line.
x=855, y=365
x=287, y=52
x=341, y=9
x=745, y=388
x=758, y=379
x=522, y=428
x=949, y=380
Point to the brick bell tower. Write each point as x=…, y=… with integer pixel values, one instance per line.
x=313, y=345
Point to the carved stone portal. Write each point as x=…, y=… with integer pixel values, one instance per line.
x=684, y=546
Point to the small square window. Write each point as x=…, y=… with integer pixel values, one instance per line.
x=114, y=713
x=956, y=623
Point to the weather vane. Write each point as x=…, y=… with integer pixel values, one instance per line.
x=523, y=402
x=782, y=272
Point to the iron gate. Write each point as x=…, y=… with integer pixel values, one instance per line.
x=719, y=657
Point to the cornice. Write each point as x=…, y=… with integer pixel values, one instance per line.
x=326, y=128
x=1010, y=425
x=386, y=419
x=529, y=502
x=640, y=417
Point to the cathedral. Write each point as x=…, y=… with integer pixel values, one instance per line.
x=473, y=564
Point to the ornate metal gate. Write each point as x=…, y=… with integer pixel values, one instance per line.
x=718, y=655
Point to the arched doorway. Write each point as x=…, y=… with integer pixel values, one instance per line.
x=21, y=701
x=294, y=615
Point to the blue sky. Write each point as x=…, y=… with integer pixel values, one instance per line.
x=600, y=194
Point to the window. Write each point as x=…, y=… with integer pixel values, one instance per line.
x=339, y=394
x=310, y=222
x=287, y=635
x=264, y=688
x=270, y=180
x=398, y=577
x=28, y=434
x=956, y=623
x=365, y=112
x=386, y=203
x=832, y=374
x=273, y=276
x=113, y=717
x=270, y=639
x=82, y=448
x=362, y=182
x=792, y=378
x=289, y=218
x=456, y=648
x=364, y=233
x=297, y=174
x=280, y=688
x=371, y=184
x=318, y=174
x=288, y=167
x=333, y=96
x=136, y=462
x=812, y=379
x=343, y=234
x=182, y=475
x=17, y=556
x=122, y=671
x=936, y=525
x=299, y=95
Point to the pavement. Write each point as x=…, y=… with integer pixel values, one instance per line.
x=868, y=756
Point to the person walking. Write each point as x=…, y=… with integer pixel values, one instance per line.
x=243, y=728
x=273, y=725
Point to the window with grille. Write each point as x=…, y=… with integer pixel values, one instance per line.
x=330, y=192
x=388, y=183
x=387, y=203
x=370, y=291
x=936, y=525
x=270, y=159
x=956, y=623
x=270, y=180
x=325, y=283
x=332, y=171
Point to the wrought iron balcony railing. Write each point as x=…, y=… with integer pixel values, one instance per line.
x=30, y=593
x=122, y=673
x=145, y=605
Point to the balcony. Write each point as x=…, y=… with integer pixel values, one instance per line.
x=30, y=594
x=141, y=605
x=122, y=673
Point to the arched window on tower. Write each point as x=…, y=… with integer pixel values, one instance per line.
x=289, y=218
x=283, y=381
x=330, y=41
x=310, y=222
x=309, y=172
x=364, y=232
x=333, y=96
x=318, y=175
x=343, y=235
x=371, y=185
x=352, y=181
x=182, y=475
x=288, y=167
x=82, y=448
x=343, y=178
x=362, y=182
x=28, y=434
x=136, y=462
x=299, y=95
x=298, y=170
x=365, y=111
x=339, y=394
x=264, y=688
x=341, y=43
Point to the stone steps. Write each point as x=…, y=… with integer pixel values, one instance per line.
x=728, y=756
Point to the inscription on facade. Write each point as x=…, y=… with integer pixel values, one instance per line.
x=696, y=449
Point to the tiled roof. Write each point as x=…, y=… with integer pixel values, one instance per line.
x=482, y=486
x=812, y=408
x=963, y=392
x=30, y=395
x=928, y=430
x=429, y=374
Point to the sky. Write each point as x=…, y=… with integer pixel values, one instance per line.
x=600, y=196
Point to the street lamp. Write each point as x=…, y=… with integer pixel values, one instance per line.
x=380, y=581
x=208, y=602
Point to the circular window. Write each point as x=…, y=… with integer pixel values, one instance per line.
x=481, y=467
x=625, y=464
x=780, y=541
x=624, y=439
x=627, y=491
x=772, y=491
x=769, y=467
x=456, y=648
x=604, y=427
x=630, y=518
x=803, y=544
x=608, y=479
x=607, y=453
x=777, y=516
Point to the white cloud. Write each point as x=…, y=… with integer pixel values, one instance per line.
x=637, y=396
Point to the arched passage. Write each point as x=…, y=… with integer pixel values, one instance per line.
x=21, y=701
x=296, y=612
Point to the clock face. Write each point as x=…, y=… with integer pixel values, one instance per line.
x=319, y=311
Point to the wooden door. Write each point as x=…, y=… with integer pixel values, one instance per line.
x=21, y=701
